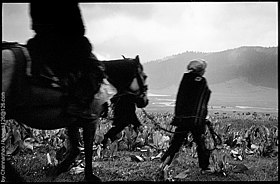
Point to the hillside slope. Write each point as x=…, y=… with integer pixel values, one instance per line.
x=246, y=76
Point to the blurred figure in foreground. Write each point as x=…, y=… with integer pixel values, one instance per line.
x=61, y=54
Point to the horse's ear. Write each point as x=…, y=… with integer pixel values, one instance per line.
x=137, y=58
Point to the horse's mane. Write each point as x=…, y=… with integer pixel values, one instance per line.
x=121, y=72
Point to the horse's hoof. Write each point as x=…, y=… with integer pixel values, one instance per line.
x=92, y=178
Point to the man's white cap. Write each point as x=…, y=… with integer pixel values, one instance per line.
x=197, y=65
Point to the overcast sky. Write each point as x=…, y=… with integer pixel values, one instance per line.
x=156, y=30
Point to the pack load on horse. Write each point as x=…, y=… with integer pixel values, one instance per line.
x=39, y=104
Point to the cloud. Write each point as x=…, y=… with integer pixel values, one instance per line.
x=110, y=10
x=16, y=25
x=157, y=30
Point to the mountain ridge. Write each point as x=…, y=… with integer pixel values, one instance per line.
x=258, y=65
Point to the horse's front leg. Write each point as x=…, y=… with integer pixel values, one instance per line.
x=88, y=136
x=72, y=153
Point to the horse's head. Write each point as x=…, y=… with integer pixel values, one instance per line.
x=139, y=85
x=128, y=76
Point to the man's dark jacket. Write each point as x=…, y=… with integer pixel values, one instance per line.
x=192, y=100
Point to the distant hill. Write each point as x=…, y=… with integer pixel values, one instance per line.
x=258, y=66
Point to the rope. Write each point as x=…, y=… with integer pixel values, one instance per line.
x=158, y=125
x=210, y=130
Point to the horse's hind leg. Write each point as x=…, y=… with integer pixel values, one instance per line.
x=88, y=135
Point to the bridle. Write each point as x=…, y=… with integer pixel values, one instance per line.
x=140, y=77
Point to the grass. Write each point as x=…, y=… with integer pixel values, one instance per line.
x=122, y=168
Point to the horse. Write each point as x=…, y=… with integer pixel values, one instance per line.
x=40, y=106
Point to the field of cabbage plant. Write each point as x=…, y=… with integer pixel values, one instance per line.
x=249, y=150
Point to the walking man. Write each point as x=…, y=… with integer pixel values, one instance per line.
x=190, y=113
